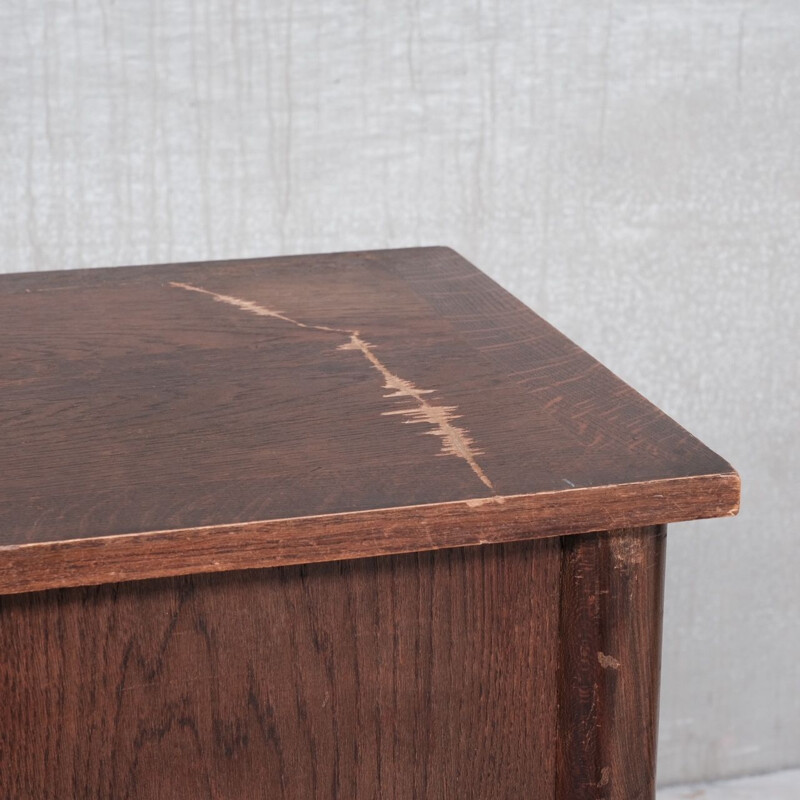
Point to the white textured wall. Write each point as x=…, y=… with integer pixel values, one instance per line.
x=630, y=168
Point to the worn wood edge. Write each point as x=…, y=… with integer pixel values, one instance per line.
x=335, y=537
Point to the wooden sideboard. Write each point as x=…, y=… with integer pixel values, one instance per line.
x=358, y=525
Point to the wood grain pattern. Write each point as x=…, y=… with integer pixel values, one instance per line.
x=315, y=539
x=610, y=632
x=183, y=418
x=427, y=676
x=639, y=165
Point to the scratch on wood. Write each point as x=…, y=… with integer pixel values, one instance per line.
x=456, y=440
x=253, y=308
x=477, y=502
x=627, y=551
x=607, y=662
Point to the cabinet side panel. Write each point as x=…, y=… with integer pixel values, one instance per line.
x=423, y=676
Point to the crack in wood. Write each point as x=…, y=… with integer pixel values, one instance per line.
x=456, y=440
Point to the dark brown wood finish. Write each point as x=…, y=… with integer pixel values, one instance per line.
x=309, y=414
x=426, y=676
x=528, y=669
x=177, y=419
x=610, y=643
x=308, y=540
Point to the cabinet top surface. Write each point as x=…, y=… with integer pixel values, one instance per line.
x=283, y=399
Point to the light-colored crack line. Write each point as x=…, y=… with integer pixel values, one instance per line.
x=456, y=441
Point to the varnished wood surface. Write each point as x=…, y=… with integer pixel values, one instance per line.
x=220, y=548
x=171, y=419
x=612, y=587
x=429, y=676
